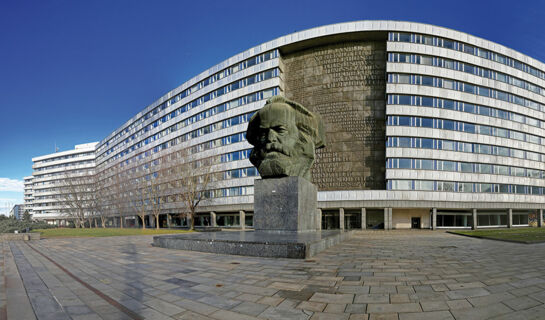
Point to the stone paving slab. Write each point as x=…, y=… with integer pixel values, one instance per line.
x=375, y=275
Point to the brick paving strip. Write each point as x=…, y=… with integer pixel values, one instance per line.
x=111, y=301
x=43, y=302
x=17, y=301
x=3, y=297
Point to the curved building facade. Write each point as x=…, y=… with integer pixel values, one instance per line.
x=425, y=127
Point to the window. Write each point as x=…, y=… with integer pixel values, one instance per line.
x=503, y=170
x=449, y=166
x=427, y=143
x=449, y=125
x=404, y=142
x=517, y=135
x=469, y=127
x=449, y=44
x=466, y=167
x=401, y=184
x=404, y=163
x=445, y=186
x=427, y=81
x=427, y=122
x=424, y=185
x=426, y=164
x=465, y=187
x=449, y=145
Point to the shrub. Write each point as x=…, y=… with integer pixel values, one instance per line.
x=10, y=225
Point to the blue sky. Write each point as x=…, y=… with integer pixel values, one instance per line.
x=73, y=71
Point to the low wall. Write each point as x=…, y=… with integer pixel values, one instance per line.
x=19, y=236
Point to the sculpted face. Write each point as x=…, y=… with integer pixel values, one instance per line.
x=281, y=147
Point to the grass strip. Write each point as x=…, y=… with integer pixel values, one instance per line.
x=102, y=232
x=520, y=235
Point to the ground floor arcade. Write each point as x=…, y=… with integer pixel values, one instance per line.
x=347, y=219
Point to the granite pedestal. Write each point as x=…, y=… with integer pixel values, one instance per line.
x=284, y=221
x=285, y=204
x=255, y=243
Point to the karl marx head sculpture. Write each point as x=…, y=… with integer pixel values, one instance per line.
x=284, y=135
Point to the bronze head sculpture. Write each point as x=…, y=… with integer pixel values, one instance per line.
x=284, y=135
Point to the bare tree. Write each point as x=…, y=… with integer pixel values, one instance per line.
x=117, y=194
x=137, y=196
x=77, y=194
x=99, y=202
x=194, y=178
x=156, y=189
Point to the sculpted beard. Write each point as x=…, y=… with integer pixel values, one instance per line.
x=270, y=159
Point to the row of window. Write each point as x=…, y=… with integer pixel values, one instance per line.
x=463, y=87
x=232, y=86
x=236, y=155
x=463, y=127
x=463, y=107
x=451, y=145
x=64, y=165
x=230, y=192
x=211, y=79
x=257, y=96
x=466, y=167
x=452, y=186
x=467, y=48
x=185, y=137
x=62, y=174
x=234, y=138
x=216, y=193
x=483, y=219
x=465, y=67
x=240, y=173
x=71, y=156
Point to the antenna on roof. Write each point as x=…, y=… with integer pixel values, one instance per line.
x=56, y=148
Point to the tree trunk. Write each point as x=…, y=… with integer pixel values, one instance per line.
x=103, y=220
x=192, y=225
x=143, y=221
x=121, y=221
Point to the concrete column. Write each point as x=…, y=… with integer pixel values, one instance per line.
x=540, y=218
x=388, y=225
x=390, y=219
x=474, y=226
x=168, y=220
x=510, y=218
x=386, y=215
x=434, y=219
x=151, y=221
x=242, y=219
x=341, y=218
x=213, y=219
x=319, y=219
x=363, y=218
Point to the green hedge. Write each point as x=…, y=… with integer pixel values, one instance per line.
x=10, y=225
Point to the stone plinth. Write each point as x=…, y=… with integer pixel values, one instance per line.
x=284, y=221
x=294, y=245
x=285, y=205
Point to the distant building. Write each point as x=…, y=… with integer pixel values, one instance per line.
x=50, y=172
x=17, y=211
x=29, y=198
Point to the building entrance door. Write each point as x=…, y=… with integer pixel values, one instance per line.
x=415, y=223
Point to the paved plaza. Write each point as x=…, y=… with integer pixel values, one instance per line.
x=375, y=275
